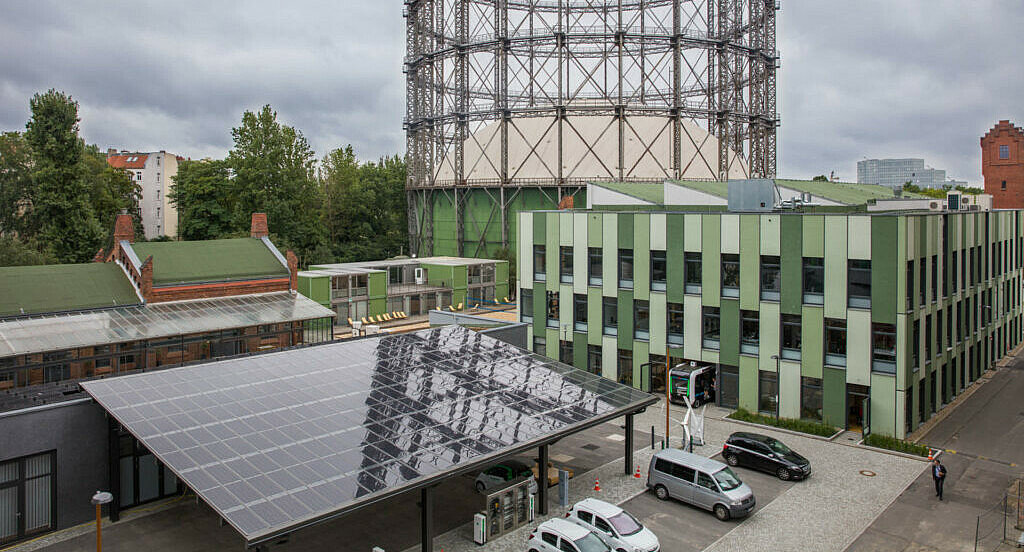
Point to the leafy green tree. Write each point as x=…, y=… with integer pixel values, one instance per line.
x=970, y=190
x=111, y=191
x=61, y=203
x=16, y=252
x=820, y=178
x=274, y=173
x=15, y=184
x=202, y=193
x=508, y=254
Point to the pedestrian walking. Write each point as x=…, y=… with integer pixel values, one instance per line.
x=939, y=475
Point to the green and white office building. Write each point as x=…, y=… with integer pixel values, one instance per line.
x=848, y=317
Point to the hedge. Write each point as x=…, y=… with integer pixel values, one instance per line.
x=803, y=426
x=892, y=443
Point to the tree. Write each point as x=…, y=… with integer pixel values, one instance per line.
x=202, y=193
x=15, y=184
x=820, y=178
x=61, y=203
x=111, y=192
x=970, y=190
x=16, y=252
x=274, y=174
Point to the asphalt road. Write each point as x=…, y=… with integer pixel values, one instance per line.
x=680, y=526
x=984, y=439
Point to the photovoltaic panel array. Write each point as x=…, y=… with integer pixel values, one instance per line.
x=277, y=441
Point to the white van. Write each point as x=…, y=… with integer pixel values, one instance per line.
x=700, y=481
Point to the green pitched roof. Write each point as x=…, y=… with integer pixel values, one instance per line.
x=719, y=189
x=843, y=192
x=59, y=288
x=653, y=192
x=189, y=262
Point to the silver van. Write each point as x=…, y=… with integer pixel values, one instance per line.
x=700, y=481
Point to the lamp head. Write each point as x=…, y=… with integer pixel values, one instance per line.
x=102, y=497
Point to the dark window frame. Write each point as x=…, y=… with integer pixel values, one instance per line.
x=813, y=280
x=565, y=264
x=791, y=336
x=595, y=266
x=770, y=278
x=711, y=327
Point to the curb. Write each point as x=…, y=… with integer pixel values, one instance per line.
x=783, y=430
x=907, y=455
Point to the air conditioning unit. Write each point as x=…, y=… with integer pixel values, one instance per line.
x=420, y=276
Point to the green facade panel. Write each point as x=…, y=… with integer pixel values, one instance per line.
x=729, y=336
x=540, y=228
x=579, y=350
x=812, y=344
x=884, y=267
x=674, y=256
x=625, y=236
x=642, y=256
x=750, y=261
x=833, y=391
x=813, y=236
x=540, y=308
x=711, y=260
x=594, y=321
x=748, y=383
x=791, y=260
x=594, y=224
x=625, y=338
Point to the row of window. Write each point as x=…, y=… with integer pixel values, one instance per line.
x=813, y=274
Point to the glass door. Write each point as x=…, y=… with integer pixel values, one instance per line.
x=27, y=496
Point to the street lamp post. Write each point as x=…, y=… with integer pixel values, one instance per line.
x=99, y=499
x=778, y=390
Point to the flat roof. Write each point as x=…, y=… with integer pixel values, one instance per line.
x=280, y=441
x=186, y=262
x=56, y=332
x=363, y=267
x=38, y=289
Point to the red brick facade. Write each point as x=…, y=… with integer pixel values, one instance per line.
x=1002, y=165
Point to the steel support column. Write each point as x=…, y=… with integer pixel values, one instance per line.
x=427, y=519
x=629, y=444
x=114, y=465
x=542, y=484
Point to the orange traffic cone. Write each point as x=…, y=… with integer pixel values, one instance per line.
x=597, y=484
x=931, y=454
x=637, y=474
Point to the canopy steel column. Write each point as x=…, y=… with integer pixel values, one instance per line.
x=427, y=519
x=629, y=444
x=542, y=484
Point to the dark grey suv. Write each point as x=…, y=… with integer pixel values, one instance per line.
x=765, y=453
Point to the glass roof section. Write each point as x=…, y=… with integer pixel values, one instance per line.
x=155, y=320
x=279, y=441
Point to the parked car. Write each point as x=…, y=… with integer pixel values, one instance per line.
x=499, y=475
x=559, y=535
x=765, y=453
x=700, y=481
x=616, y=527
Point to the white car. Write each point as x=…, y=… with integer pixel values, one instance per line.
x=616, y=527
x=559, y=535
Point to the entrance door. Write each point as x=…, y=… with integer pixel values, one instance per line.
x=27, y=496
x=143, y=477
x=855, y=401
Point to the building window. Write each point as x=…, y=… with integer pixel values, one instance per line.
x=626, y=268
x=883, y=348
x=609, y=316
x=712, y=326
x=730, y=275
x=1004, y=152
x=565, y=265
x=579, y=310
x=949, y=326
x=539, y=262
x=955, y=272
x=771, y=278
x=910, y=285
x=767, y=392
x=729, y=387
x=624, y=367
x=1002, y=186
x=692, y=268
x=835, y=342
x=814, y=280
x=552, y=310
x=938, y=328
x=935, y=278
x=790, y=337
x=594, y=266
x=750, y=331
x=641, y=320
x=927, y=339
x=659, y=271
x=539, y=345
x=594, y=359
x=565, y=352
x=675, y=323
x=859, y=284
x=526, y=305
x=810, y=399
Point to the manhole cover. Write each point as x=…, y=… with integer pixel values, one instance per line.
x=590, y=447
x=867, y=473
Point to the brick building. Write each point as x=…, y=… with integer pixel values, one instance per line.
x=1002, y=165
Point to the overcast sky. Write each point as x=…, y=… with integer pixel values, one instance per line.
x=868, y=78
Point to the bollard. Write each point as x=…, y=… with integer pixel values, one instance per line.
x=652, y=437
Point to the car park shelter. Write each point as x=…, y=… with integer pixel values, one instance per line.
x=281, y=441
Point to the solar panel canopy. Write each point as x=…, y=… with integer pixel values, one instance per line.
x=276, y=441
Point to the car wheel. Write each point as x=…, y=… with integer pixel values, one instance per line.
x=721, y=512
x=784, y=474
x=661, y=492
x=732, y=459
x=533, y=550
x=480, y=487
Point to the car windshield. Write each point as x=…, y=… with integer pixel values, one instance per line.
x=625, y=524
x=727, y=479
x=591, y=543
x=778, y=447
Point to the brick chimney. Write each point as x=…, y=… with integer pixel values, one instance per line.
x=146, y=275
x=259, y=227
x=124, y=228
x=293, y=269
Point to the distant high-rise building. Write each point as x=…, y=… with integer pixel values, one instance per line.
x=153, y=172
x=1002, y=165
x=897, y=172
